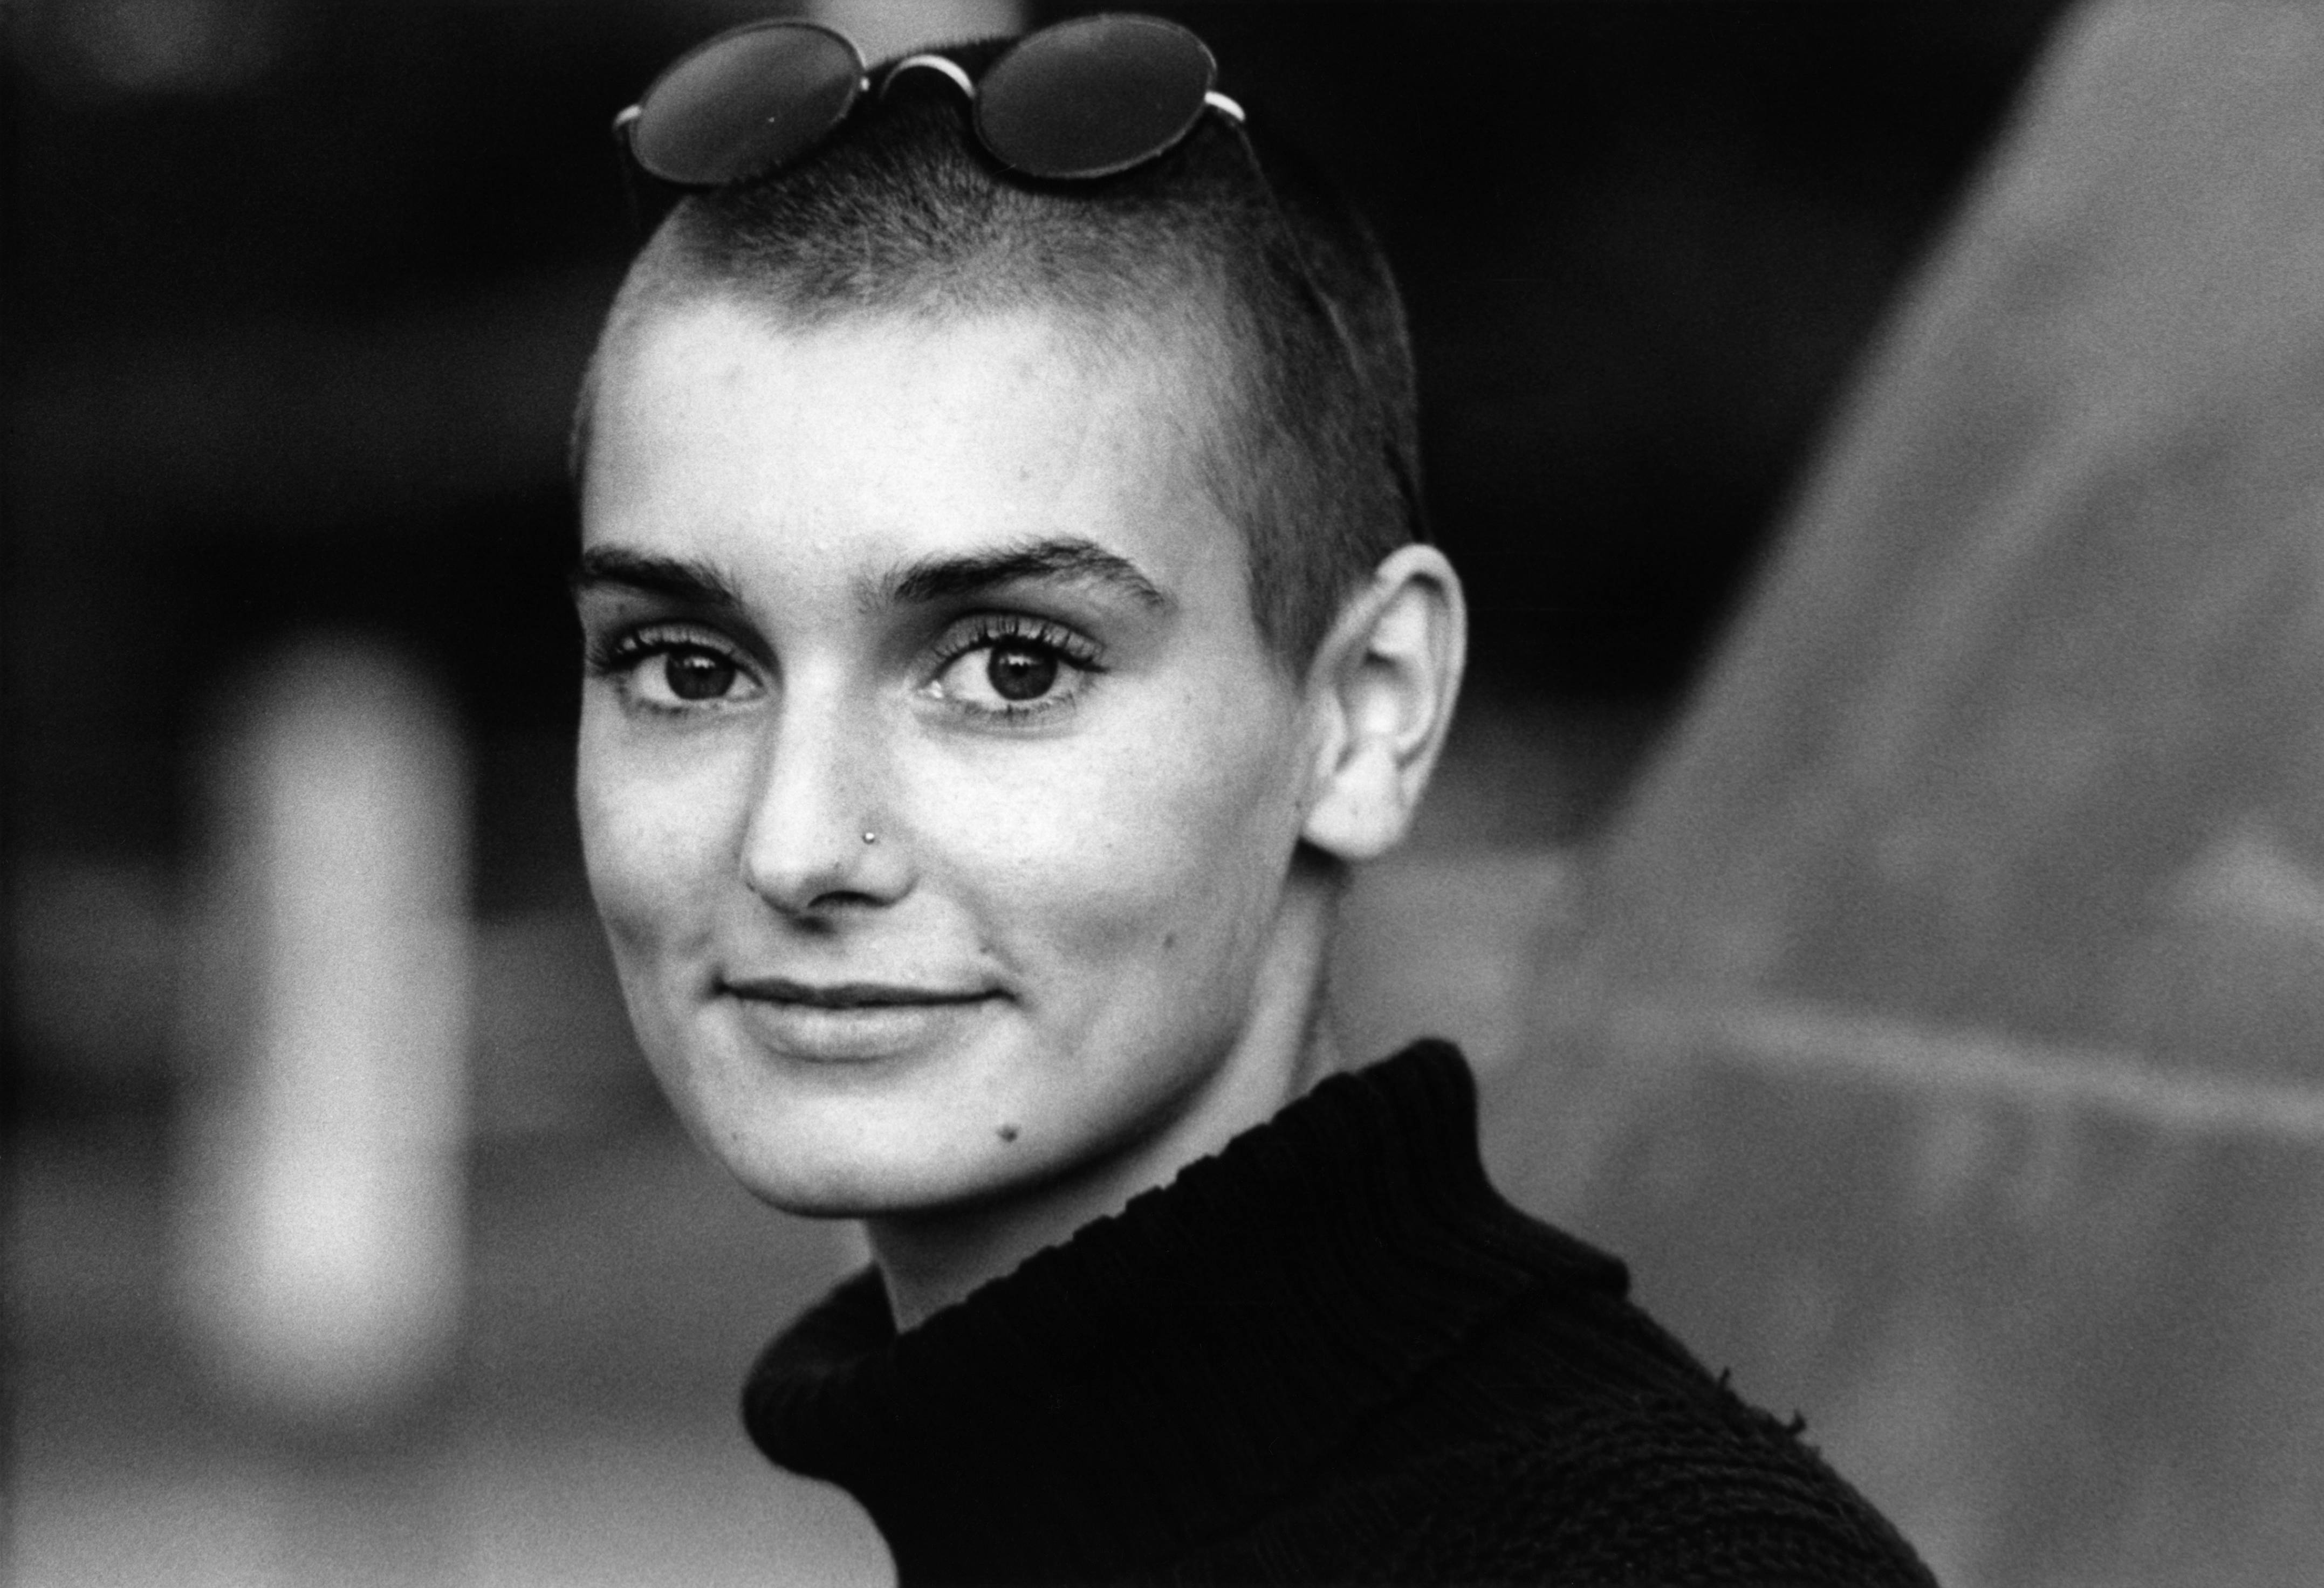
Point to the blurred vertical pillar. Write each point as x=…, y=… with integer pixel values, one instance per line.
x=322, y=1205
x=1943, y=1038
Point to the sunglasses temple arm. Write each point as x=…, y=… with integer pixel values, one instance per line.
x=625, y=158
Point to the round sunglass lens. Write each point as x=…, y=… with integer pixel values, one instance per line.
x=1094, y=95
x=745, y=102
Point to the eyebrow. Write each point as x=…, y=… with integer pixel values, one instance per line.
x=949, y=578
x=683, y=579
x=932, y=579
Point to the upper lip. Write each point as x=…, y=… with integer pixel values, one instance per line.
x=850, y=994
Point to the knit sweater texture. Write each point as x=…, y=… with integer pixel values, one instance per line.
x=1329, y=1354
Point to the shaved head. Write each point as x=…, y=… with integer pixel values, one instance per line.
x=1270, y=293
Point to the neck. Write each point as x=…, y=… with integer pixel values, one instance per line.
x=931, y=1260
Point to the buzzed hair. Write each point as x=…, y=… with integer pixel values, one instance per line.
x=1310, y=431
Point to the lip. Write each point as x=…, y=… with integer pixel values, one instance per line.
x=852, y=995
x=853, y=1022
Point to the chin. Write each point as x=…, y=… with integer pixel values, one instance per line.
x=894, y=1180
x=855, y=1145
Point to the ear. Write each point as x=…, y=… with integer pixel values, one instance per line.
x=1381, y=690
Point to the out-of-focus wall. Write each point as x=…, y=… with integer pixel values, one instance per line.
x=1942, y=1032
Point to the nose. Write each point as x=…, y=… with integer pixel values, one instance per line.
x=816, y=841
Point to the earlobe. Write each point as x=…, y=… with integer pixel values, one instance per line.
x=1384, y=682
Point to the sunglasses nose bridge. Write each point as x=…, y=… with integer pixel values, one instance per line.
x=943, y=66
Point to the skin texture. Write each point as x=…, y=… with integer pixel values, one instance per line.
x=1087, y=944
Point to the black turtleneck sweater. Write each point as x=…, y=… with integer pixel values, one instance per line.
x=1329, y=1353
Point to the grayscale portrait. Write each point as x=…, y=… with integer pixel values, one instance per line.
x=978, y=791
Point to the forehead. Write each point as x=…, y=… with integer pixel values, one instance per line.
x=718, y=430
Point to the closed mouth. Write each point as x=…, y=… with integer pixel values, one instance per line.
x=855, y=995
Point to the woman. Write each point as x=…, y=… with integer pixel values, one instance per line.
x=1008, y=624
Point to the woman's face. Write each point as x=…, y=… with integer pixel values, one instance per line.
x=937, y=792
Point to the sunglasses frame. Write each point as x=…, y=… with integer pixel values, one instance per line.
x=626, y=124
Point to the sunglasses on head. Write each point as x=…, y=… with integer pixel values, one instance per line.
x=1077, y=100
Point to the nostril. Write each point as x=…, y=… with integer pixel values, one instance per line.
x=825, y=875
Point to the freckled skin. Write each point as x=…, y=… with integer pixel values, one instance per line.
x=1123, y=874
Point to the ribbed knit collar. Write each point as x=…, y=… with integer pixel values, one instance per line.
x=1164, y=1375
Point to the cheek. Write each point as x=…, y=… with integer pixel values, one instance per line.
x=655, y=838
x=1151, y=854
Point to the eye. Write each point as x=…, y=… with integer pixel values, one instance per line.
x=1011, y=666
x=668, y=669
x=695, y=675
x=1019, y=671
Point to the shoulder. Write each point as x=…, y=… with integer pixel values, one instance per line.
x=1662, y=1490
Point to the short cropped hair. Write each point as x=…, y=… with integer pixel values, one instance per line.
x=1312, y=433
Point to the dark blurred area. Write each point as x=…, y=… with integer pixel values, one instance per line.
x=296, y=296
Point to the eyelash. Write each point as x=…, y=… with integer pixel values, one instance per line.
x=621, y=656
x=986, y=630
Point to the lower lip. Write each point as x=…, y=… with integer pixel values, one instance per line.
x=856, y=1035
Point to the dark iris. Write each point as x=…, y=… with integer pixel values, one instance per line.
x=698, y=675
x=1020, y=673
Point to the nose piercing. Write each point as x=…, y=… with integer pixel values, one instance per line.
x=871, y=837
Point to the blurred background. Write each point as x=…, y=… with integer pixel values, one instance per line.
x=1878, y=868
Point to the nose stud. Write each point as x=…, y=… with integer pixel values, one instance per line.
x=871, y=837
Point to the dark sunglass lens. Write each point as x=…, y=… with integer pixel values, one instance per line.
x=745, y=102
x=1094, y=95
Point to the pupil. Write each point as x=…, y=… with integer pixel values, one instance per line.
x=1018, y=674
x=698, y=675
